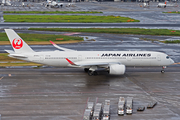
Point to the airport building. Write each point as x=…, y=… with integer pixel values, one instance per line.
x=97, y=0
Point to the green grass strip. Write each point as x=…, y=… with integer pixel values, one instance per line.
x=138, y=31
x=4, y=57
x=172, y=41
x=177, y=12
x=52, y=12
x=67, y=18
x=41, y=37
x=8, y=61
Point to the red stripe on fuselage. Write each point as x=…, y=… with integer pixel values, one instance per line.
x=70, y=61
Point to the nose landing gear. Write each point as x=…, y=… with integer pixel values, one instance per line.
x=162, y=71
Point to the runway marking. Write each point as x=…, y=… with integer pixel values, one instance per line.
x=96, y=99
x=1, y=78
x=85, y=106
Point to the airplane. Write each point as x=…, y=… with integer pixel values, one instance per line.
x=114, y=62
x=5, y=3
x=53, y=4
x=162, y=4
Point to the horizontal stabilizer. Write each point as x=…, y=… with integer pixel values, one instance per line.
x=9, y=51
x=17, y=55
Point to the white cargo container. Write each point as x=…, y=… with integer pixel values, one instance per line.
x=122, y=99
x=97, y=111
x=90, y=105
x=121, y=104
x=129, y=105
x=87, y=114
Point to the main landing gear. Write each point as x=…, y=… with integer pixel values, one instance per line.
x=90, y=72
x=162, y=71
x=86, y=70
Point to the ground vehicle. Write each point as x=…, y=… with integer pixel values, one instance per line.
x=120, y=109
x=90, y=105
x=106, y=110
x=97, y=112
x=151, y=104
x=87, y=114
x=129, y=105
x=140, y=108
x=121, y=104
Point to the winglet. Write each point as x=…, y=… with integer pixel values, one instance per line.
x=70, y=62
x=52, y=43
x=61, y=48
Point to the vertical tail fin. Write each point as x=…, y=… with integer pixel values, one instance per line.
x=17, y=42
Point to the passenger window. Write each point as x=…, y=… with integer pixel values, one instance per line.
x=167, y=57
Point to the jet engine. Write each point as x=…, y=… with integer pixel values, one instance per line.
x=117, y=69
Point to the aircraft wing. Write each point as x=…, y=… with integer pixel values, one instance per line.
x=90, y=63
x=61, y=48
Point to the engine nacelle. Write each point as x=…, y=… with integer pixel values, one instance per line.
x=117, y=69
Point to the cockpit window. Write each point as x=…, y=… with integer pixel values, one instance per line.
x=167, y=57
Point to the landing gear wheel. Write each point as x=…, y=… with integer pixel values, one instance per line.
x=162, y=71
x=90, y=73
x=86, y=70
x=95, y=73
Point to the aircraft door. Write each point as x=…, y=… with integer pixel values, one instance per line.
x=129, y=58
x=38, y=58
x=41, y=58
x=79, y=58
x=159, y=57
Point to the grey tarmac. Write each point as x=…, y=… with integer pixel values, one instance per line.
x=62, y=93
x=151, y=17
x=88, y=25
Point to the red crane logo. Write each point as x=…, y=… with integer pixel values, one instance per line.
x=17, y=43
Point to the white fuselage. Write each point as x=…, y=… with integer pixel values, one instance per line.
x=127, y=58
